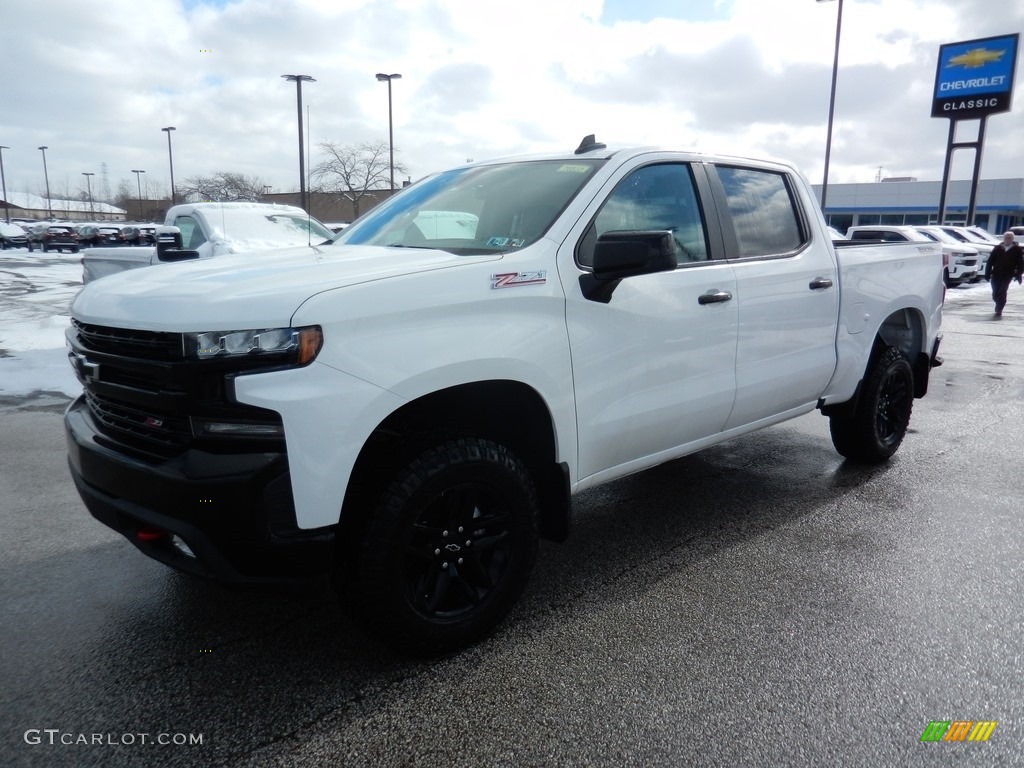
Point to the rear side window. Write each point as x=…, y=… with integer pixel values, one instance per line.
x=763, y=211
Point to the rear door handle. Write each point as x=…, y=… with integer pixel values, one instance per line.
x=820, y=282
x=714, y=297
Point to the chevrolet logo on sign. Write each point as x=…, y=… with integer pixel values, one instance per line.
x=975, y=78
x=976, y=57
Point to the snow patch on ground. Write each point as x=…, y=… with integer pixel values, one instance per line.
x=35, y=291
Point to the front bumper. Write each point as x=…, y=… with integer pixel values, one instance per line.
x=226, y=516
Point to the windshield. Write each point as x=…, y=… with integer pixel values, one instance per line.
x=293, y=224
x=472, y=210
x=956, y=235
x=940, y=236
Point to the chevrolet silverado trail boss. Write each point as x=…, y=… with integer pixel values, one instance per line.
x=412, y=406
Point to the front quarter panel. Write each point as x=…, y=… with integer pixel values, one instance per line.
x=388, y=342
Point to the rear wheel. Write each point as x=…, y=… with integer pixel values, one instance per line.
x=448, y=550
x=872, y=431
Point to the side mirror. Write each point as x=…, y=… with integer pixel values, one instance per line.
x=168, y=245
x=618, y=255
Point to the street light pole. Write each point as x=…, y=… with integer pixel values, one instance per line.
x=3, y=182
x=381, y=77
x=170, y=159
x=46, y=175
x=138, y=181
x=88, y=184
x=298, y=80
x=831, y=103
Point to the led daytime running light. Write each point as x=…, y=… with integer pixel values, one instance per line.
x=304, y=343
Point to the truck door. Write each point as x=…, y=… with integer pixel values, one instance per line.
x=653, y=368
x=788, y=293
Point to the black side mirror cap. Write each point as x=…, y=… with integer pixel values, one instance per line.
x=168, y=245
x=618, y=255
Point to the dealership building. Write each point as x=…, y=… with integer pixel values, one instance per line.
x=999, y=204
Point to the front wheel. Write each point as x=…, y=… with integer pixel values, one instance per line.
x=872, y=431
x=448, y=549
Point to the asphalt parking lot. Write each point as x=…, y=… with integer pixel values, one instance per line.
x=761, y=603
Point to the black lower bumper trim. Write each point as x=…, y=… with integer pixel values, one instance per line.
x=216, y=515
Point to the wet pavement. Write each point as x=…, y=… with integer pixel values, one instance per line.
x=760, y=603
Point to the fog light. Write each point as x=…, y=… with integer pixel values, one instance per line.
x=236, y=428
x=182, y=547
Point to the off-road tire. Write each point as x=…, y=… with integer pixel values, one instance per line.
x=870, y=432
x=448, y=549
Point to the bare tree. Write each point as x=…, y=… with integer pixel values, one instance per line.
x=352, y=172
x=223, y=186
x=125, y=194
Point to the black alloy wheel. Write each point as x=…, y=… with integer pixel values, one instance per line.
x=448, y=550
x=872, y=430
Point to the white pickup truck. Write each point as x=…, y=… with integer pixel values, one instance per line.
x=410, y=407
x=202, y=230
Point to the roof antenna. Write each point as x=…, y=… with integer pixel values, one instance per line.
x=589, y=144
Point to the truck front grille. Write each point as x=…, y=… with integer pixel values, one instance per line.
x=146, y=345
x=159, y=429
x=143, y=393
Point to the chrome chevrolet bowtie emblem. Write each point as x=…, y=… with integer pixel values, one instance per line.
x=85, y=369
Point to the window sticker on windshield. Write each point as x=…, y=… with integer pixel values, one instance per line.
x=512, y=279
x=569, y=168
x=506, y=242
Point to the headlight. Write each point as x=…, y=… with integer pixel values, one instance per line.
x=297, y=345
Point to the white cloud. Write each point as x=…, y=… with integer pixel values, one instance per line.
x=479, y=79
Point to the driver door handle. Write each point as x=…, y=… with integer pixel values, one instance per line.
x=714, y=297
x=820, y=282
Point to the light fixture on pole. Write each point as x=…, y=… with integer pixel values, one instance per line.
x=391, y=133
x=298, y=80
x=3, y=183
x=46, y=175
x=88, y=184
x=170, y=159
x=138, y=181
x=831, y=103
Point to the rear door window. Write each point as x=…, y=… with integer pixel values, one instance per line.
x=765, y=216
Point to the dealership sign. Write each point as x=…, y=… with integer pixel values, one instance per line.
x=975, y=78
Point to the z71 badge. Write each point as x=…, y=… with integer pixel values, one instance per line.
x=512, y=279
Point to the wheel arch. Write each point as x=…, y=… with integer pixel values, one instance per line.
x=904, y=330
x=507, y=412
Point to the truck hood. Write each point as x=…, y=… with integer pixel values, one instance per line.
x=255, y=290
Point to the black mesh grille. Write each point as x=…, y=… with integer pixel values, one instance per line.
x=147, y=345
x=161, y=429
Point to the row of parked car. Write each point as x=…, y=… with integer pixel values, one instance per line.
x=68, y=236
x=965, y=250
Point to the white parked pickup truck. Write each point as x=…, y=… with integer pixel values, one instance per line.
x=412, y=406
x=202, y=230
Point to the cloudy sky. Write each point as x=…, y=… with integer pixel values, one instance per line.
x=96, y=80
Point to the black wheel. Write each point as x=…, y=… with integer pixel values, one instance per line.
x=448, y=549
x=872, y=431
